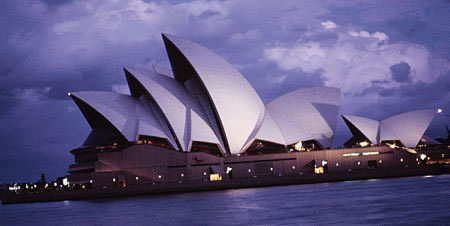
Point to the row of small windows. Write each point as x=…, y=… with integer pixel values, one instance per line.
x=319, y=168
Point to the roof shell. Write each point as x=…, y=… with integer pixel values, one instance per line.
x=313, y=111
x=238, y=106
x=407, y=127
x=181, y=111
x=129, y=116
x=269, y=130
x=368, y=127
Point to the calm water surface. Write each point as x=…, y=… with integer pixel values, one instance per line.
x=414, y=200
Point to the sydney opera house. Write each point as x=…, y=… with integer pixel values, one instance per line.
x=203, y=124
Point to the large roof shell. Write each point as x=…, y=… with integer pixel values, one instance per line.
x=313, y=111
x=238, y=108
x=182, y=112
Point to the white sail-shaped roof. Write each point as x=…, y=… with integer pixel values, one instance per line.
x=182, y=113
x=149, y=124
x=269, y=130
x=313, y=111
x=368, y=127
x=407, y=127
x=125, y=113
x=238, y=109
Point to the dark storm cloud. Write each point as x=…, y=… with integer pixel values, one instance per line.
x=270, y=89
x=422, y=22
x=50, y=48
x=54, y=3
x=400, y=72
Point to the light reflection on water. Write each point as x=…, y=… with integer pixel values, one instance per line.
x=415, y=200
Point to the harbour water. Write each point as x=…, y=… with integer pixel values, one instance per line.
x=412, y=200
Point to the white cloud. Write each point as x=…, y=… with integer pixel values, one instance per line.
x=355, y=61
x=380, y=36
x=329, y=24
x=365, y=34
x=248, y=35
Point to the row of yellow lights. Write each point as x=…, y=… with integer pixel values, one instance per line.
x=422, y=156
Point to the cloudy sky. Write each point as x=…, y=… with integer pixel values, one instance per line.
x=387, y=57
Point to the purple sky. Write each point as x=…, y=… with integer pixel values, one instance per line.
x=388, y=57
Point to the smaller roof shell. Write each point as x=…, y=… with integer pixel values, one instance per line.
x=313, y=110
x=368, y=127
x=182, y=112
x=407, y=127
x=127, y=114
x=269, y=130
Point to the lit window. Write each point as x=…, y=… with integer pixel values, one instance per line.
x=351, y=154
x=318, y=170
x=370, y=153
x=215, y=177
x=299, y=146
x=423, y=156
x=364, y=144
